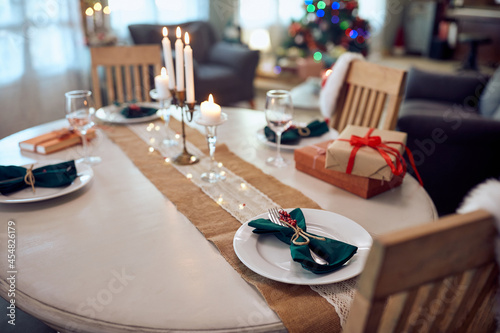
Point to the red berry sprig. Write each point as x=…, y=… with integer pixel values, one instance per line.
x=285, y=216
x=134, y=107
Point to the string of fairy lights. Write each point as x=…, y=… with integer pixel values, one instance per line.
x=154, y=137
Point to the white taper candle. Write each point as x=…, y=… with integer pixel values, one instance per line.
x=188, y=58
x=179, y=60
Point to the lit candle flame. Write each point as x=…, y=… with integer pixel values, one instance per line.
x=178, y=32
x=165, y=32
x=89, y=12
x=210, y=98
x=163, y=72
x=186, y=38
x=106, y=10
x=97, y=6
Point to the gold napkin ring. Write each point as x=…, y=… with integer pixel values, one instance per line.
x=304, y=131
x=29, y=178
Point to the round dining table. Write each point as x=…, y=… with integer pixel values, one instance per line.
x=117, y=256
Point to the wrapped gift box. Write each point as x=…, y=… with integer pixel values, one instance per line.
x=368, y=162
x=311, y=160
x=53, y=141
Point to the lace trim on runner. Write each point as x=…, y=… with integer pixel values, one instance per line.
x=340, y=295
x=239, y=198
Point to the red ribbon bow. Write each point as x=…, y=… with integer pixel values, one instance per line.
x=375, y=142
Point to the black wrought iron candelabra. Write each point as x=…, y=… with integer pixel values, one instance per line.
x=187, y=110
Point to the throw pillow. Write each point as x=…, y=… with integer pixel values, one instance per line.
x=496, y=115
x=490, y=99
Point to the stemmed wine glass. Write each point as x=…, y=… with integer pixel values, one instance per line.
x=279, y=114
x=79, y=112
x=164, y=113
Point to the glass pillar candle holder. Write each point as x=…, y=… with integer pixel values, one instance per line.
x=212, y=175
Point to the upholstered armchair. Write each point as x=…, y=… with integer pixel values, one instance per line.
x=453, y=126
x=223, y=69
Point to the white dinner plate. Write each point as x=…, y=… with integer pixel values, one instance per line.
x=85, y=175
x=330, y=135
x=268, y=256
x=111, y=114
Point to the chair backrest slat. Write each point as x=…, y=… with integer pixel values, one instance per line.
x=451, y=298
x=340, y=118
x=406, y=310
x=137, y=87
x=129, y=71
x=378, y=110
x=109, y=84
x=432, y=278
x=354, y=107
x=477, y=289
x=120, y=96
x=128, y=82
x=361, y=106
x=361, y=113
x=369, y=107
x=95, y=83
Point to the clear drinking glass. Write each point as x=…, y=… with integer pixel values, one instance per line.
x=279, y=115
x=79, y=113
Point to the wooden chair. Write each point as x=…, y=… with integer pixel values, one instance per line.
x=438, y=277
x=127, y=72
x=369, y=89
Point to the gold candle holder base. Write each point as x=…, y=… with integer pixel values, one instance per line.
x=185, y=158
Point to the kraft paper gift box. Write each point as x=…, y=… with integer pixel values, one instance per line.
x=53, y=141
x=368, y=162
x=311, y=160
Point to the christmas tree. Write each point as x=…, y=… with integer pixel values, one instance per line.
x=328, y=29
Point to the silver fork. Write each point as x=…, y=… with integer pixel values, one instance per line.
x=274, y=216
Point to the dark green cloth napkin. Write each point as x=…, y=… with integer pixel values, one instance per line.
x=337, y=253
x=55, y=175
x=292, y=135
x=135, y=111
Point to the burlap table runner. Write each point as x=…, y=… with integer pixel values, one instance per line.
x=299, y=307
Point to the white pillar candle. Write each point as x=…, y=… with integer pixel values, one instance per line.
x=179, y=60
x=188, y=58
x=210, y=111
x=161, y=85
x=89, y=12
x=169, y=62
